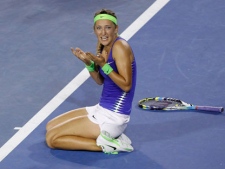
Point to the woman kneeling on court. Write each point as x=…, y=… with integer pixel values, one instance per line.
x=101, y=127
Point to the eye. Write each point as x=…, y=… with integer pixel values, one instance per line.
x=98, y=27
x=108, y=27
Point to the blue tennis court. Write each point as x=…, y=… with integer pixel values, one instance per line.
x=179, y=49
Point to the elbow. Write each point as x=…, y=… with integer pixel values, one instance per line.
x=127, y=88
x=99, y=83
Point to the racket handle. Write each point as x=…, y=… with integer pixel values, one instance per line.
x=210, y=108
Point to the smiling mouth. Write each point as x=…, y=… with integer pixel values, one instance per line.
x=104, y=38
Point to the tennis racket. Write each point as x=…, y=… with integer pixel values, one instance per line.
x=165, y=103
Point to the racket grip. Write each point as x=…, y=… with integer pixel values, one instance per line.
x=210, y=108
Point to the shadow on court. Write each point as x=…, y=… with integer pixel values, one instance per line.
x=84, y=159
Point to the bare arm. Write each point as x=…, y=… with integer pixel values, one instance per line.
x=123, y=57
x=97, y=77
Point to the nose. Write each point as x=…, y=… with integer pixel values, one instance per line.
x=103, y=31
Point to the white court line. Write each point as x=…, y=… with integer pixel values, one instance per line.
x=17, y=128
x=15, y=140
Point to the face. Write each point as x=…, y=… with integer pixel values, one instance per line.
x=106, y=31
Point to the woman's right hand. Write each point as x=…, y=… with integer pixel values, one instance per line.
x=81, y=55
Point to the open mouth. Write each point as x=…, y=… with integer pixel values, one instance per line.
x=104, y=38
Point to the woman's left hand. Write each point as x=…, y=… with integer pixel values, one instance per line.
x=99, y=59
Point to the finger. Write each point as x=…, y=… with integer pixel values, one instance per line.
x=92, y=57
x=75, y=51
x=101, y=56
x=90, y=54
x=72, y=49
x=81, y=51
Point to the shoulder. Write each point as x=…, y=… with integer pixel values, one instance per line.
x=121, y=43
x=121, y=47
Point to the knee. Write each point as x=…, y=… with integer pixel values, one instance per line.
x=49, y=140
x=48, y=126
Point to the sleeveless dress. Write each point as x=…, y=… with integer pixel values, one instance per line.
x=114, y=98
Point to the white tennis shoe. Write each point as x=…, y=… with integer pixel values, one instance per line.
x=111, y=145
x=124, y=138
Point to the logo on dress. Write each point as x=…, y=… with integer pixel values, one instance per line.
x=110, y=62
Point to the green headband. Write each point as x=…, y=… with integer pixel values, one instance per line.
x=105, y=16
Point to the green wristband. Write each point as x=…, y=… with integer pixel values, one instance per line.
x=91, y=67
x=107, y=69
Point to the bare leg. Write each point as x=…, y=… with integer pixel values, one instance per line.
x=77, y=133
x=76, y=143
x=66, y=116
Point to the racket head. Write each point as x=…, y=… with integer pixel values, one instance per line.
x=163, y=103
x=166, y=103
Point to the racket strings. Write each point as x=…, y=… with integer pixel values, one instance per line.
x=161, y=103
x=165, y=103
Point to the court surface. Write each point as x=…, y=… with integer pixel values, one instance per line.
x=179, y=48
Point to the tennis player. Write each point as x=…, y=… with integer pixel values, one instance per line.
x=101, y=127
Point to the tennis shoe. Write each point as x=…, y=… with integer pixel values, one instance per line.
x=124, y=138
x=111, y=145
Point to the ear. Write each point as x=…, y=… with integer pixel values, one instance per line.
x=94, y=30
x=116, y=29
